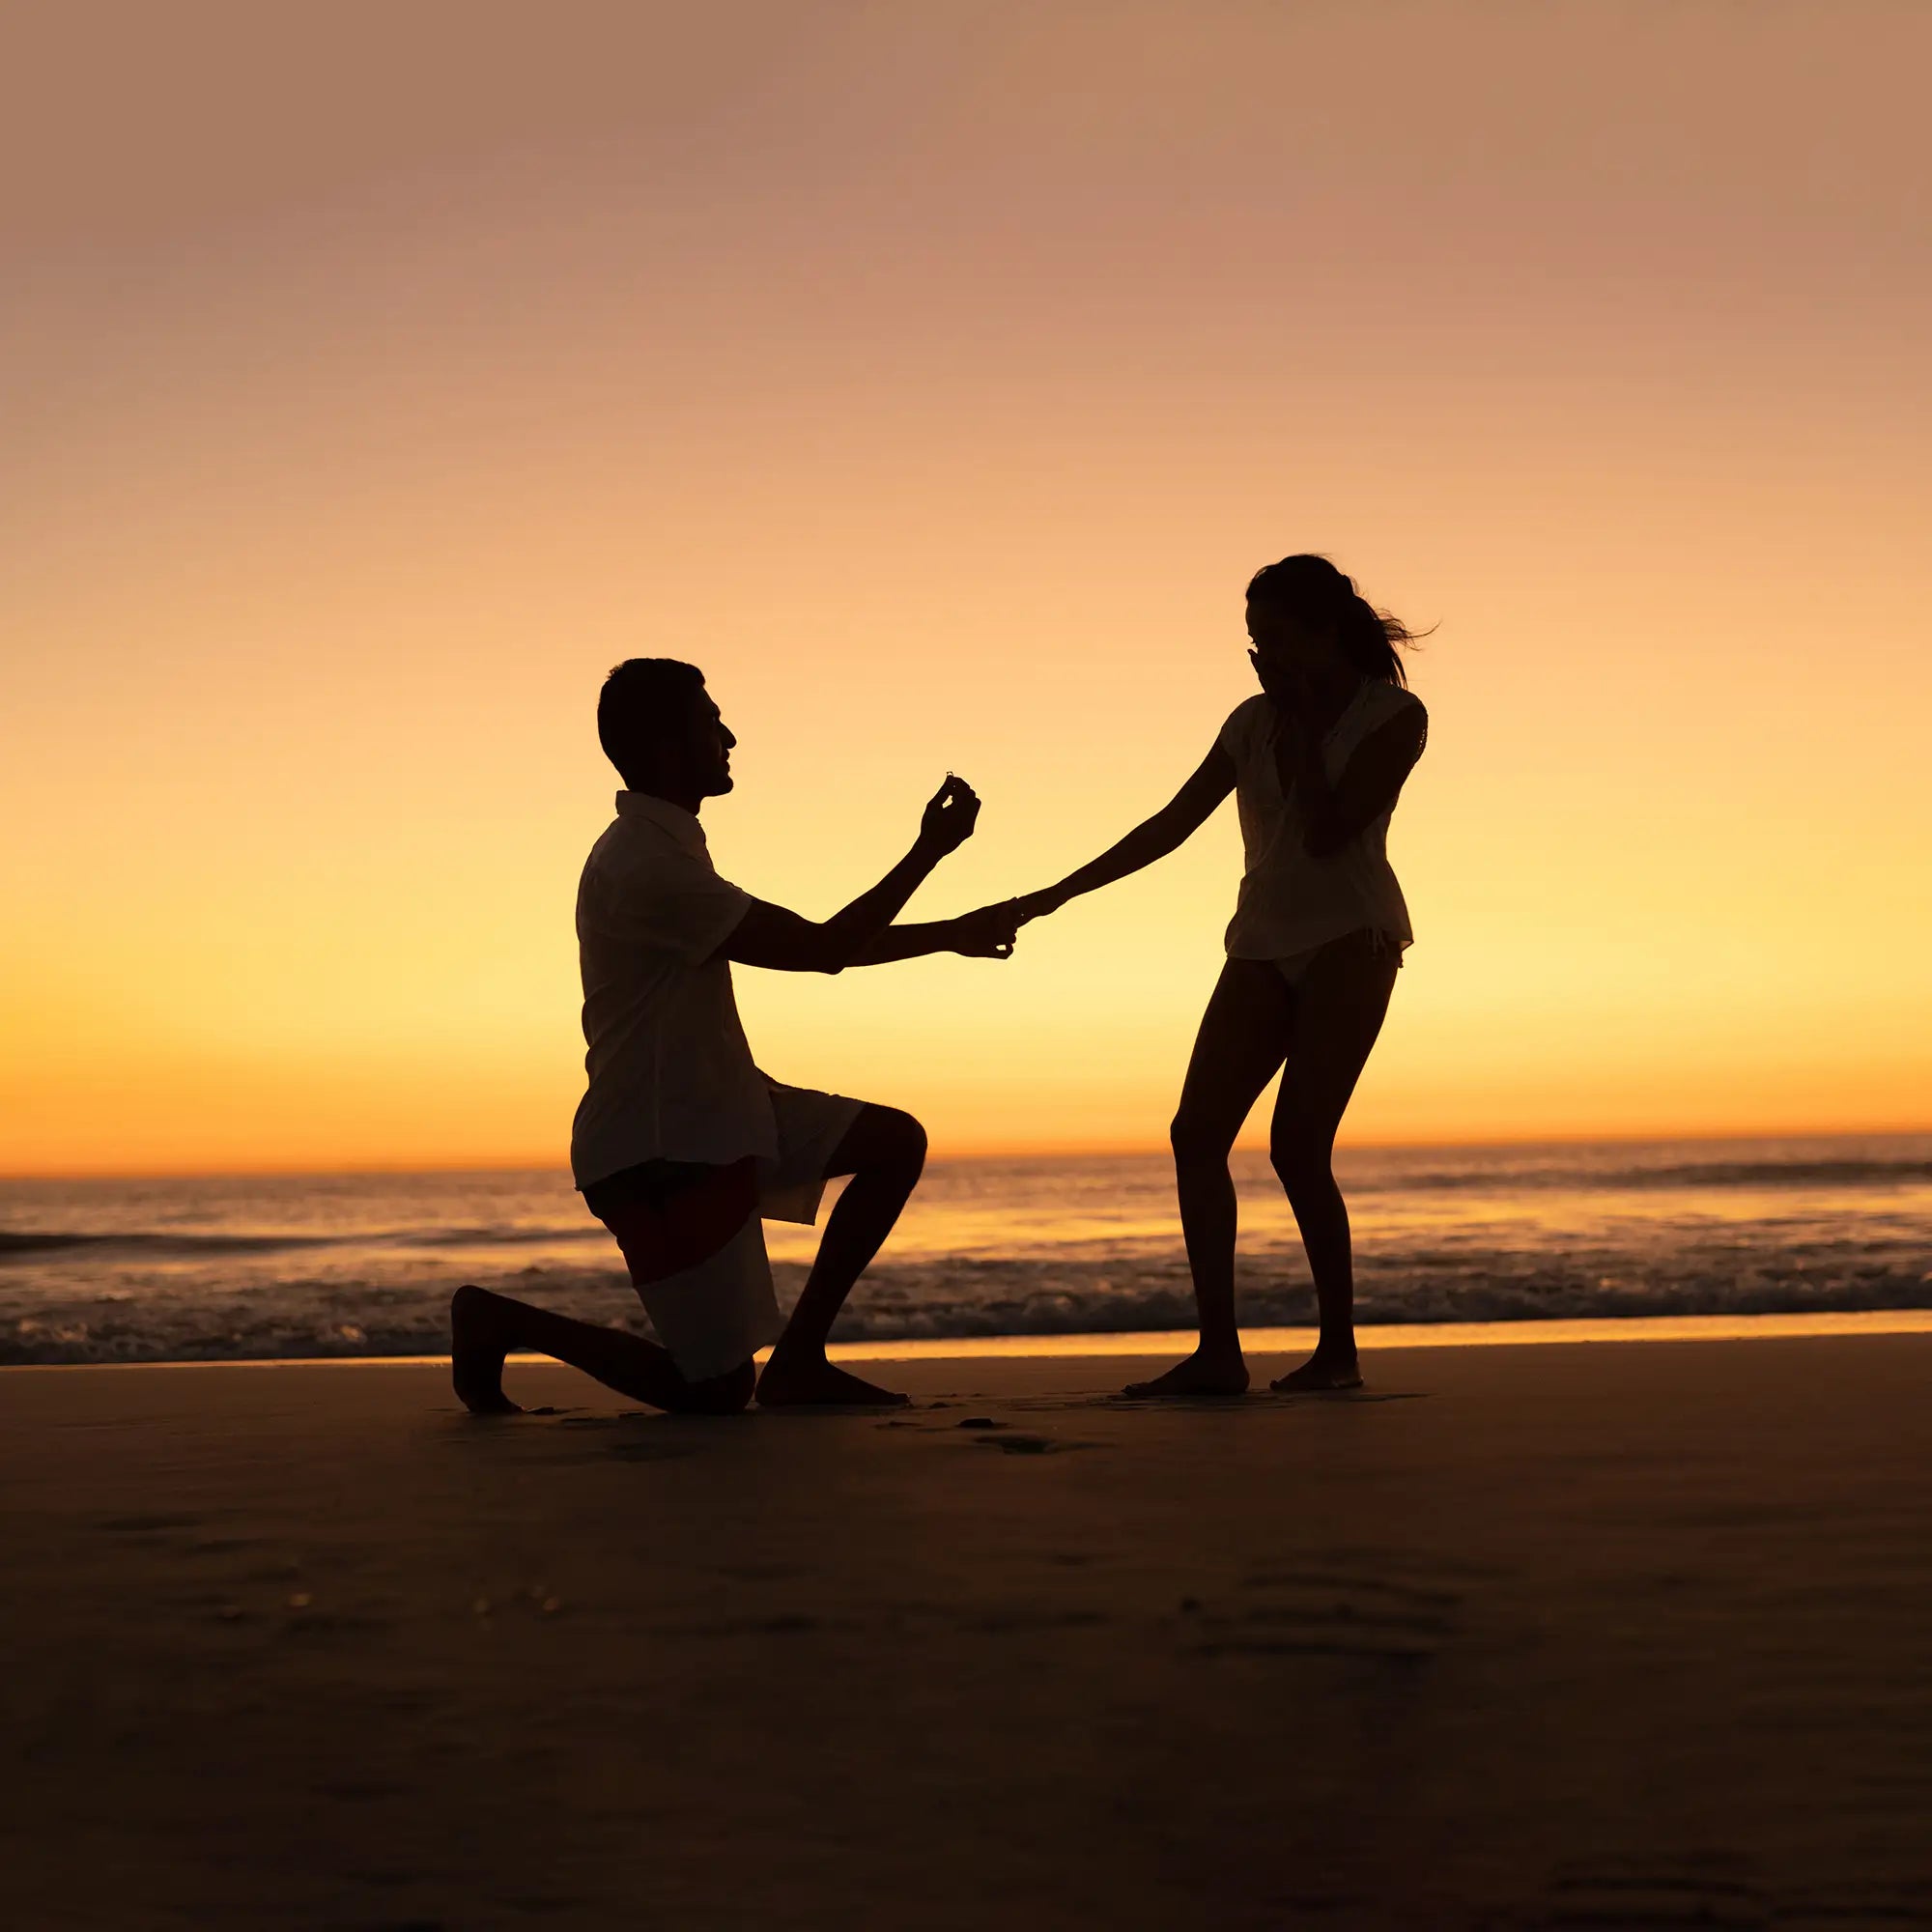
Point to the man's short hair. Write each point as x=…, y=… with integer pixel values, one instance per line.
x=643, y=699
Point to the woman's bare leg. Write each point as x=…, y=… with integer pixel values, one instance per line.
x=1339, y=1008
x=1242, y=1038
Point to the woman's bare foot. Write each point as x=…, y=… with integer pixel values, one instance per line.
x=476, y=1351
x=1319, y=1374
x=804, y=1380
x=1205, y=1372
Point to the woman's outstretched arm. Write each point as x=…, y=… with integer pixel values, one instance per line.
x=1172, y=826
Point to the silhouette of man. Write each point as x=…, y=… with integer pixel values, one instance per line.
x=681, y=1145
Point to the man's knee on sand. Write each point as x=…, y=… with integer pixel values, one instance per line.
x=722, y=1395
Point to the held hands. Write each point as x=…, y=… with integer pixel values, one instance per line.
x=948, y=820
x=988, y=933
x=1037, y=905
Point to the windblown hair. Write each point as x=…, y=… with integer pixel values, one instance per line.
x=644, y=701
x=1312, y=590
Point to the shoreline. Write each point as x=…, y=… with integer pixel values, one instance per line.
x=1161, y=1342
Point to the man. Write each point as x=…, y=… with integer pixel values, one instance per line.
x=681, y=1145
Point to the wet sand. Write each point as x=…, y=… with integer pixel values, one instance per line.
x=1527, y=1636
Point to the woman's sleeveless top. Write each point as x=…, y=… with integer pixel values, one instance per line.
x=1289, y=900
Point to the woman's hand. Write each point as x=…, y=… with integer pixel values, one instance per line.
x=988, y=933
x=948, y=818
x=1281, y=681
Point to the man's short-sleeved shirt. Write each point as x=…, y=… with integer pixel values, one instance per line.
x=671, y=1073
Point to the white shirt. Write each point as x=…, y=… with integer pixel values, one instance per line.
x=1290, y=902
x=671, y=1073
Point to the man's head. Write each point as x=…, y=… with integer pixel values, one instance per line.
x=658, y=725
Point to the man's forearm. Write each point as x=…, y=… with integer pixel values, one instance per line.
x=854, y=928
x=907, y=942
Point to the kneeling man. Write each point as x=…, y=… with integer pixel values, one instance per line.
x=681, y=1145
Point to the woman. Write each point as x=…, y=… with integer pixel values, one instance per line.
x=1316, y=763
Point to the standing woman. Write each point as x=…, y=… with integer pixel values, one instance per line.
x=1314, y=762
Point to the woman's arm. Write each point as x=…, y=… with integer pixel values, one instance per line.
x=1369, y=784
x=1172, y=826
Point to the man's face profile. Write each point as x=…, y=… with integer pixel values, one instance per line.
x=707, y=749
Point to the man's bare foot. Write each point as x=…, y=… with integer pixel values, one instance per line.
x=1205, y=1373
x=1321, y=1374
x=809, y=1380
x=476, y=1351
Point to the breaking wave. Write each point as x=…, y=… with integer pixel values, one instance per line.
x=315, y=1317
x=1781, y=1176
x=247, y=1268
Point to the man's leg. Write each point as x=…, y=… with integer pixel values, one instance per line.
x=485, y=1327
x=883, y=1151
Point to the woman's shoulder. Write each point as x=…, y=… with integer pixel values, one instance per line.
x=1377, y=711
x=1392, y=696
x=1382, y=702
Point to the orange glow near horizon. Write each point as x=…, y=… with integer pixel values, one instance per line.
x=934, y=378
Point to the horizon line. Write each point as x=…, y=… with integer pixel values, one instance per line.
x=1047, y=1150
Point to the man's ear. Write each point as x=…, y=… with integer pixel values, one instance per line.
x=648, y=756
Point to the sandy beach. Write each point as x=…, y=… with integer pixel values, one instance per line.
x=1525, y=1637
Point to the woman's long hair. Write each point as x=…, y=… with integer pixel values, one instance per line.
x=1311, y=590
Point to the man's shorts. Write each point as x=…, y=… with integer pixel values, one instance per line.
x=694, y=1238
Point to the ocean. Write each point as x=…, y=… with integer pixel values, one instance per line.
x=291, y=1265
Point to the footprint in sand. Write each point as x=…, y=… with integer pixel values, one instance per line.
x=1641, y=1895
x=1032, y=1445
x=1323, y=1612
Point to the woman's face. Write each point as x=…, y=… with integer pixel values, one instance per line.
x=1288, y=654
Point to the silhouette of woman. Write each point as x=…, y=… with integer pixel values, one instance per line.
x=1316, y=763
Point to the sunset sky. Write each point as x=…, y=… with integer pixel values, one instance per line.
x=373, y=378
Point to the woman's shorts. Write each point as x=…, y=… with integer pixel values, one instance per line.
x=1382, y=946
x=694, y=1239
